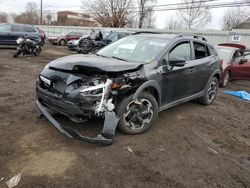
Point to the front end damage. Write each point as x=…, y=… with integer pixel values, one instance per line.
x=85, y=95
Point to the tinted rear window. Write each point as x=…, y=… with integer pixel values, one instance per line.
x=30, y=29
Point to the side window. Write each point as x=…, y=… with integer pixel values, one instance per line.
x=18, y=28
x=71, y=34
x=5, y=28
x=200, y=50
x=182, y=50
x=30, y=29
x=211, y=50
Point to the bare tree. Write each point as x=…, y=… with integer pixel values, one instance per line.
x=145, y=12
x=3, y=17
x=233, y=17
x=30, y=16
x=110, y=13
x=193, y=14
x=173, y=23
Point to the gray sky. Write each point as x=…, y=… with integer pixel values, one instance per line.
x=161, y=17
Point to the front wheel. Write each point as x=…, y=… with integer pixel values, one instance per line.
x=210, y=92
x=137, y=116
x=62, y=42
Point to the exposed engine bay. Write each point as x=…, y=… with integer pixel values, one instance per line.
x=86, y=95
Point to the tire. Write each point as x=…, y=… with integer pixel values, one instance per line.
x=128, y=110
x=226, y=79
x=210, y=92
x=37, y=51
x=17, y=53
x=62, y=42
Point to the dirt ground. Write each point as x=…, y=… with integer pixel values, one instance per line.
x=190, y=145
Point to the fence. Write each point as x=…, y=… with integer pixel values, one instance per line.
x=214, y=37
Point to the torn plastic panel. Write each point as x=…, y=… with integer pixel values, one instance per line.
x=104, y=138
x=81, y=97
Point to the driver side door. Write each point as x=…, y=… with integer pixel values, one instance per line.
x=176, y=82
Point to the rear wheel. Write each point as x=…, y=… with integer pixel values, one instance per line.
x=210, y=92
x=137, y=116
x=37, y=51
x=62, y=42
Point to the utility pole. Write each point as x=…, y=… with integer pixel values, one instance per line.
x=41, y=14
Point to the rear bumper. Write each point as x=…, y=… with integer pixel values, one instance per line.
x=104, y=138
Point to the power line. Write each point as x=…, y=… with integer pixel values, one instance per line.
x=162, y=5
x=210, y=6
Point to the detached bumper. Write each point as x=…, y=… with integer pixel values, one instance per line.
x=104, y=138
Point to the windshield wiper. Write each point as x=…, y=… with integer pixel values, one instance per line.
x=119, y=58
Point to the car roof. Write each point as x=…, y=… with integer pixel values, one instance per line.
x=186, y=36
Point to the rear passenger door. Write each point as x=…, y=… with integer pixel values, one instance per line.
x=200, y=66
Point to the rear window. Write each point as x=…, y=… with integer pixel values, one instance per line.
x=30, y=29
x=224, y=53
x=200, y=50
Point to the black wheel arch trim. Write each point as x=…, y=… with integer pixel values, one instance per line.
x=217, y=74
x=151, y=83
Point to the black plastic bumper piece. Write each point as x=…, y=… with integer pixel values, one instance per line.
x=104, y=138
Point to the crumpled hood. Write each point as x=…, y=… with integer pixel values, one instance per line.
x=93, y=63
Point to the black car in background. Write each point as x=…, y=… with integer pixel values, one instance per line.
x=9, y=33
x=92, y=45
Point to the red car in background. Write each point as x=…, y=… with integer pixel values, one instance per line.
x=64, y=38
x=235, y=62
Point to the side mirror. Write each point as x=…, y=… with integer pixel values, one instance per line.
x=243, y=60
x=177, y=62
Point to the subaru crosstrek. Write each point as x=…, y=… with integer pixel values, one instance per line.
x=128, y=82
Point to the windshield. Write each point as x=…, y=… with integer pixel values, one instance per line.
x=224, y=53
x=142, y=49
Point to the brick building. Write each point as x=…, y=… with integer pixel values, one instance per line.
x=75, y=19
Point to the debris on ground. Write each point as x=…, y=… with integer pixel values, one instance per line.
x=1, y=179
x=14, y=181
x=240, y=94
x=130, y=150
x=213, y=150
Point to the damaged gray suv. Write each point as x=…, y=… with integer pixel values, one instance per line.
x=128, y=82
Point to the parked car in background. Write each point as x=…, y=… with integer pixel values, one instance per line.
x=128, y=82
x=63, y=39
x=73, y=44
x=235, y=62
x=92, y=45
x=9, y=33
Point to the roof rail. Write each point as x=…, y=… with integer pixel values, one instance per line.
x=145, y=32
x=192, y=35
